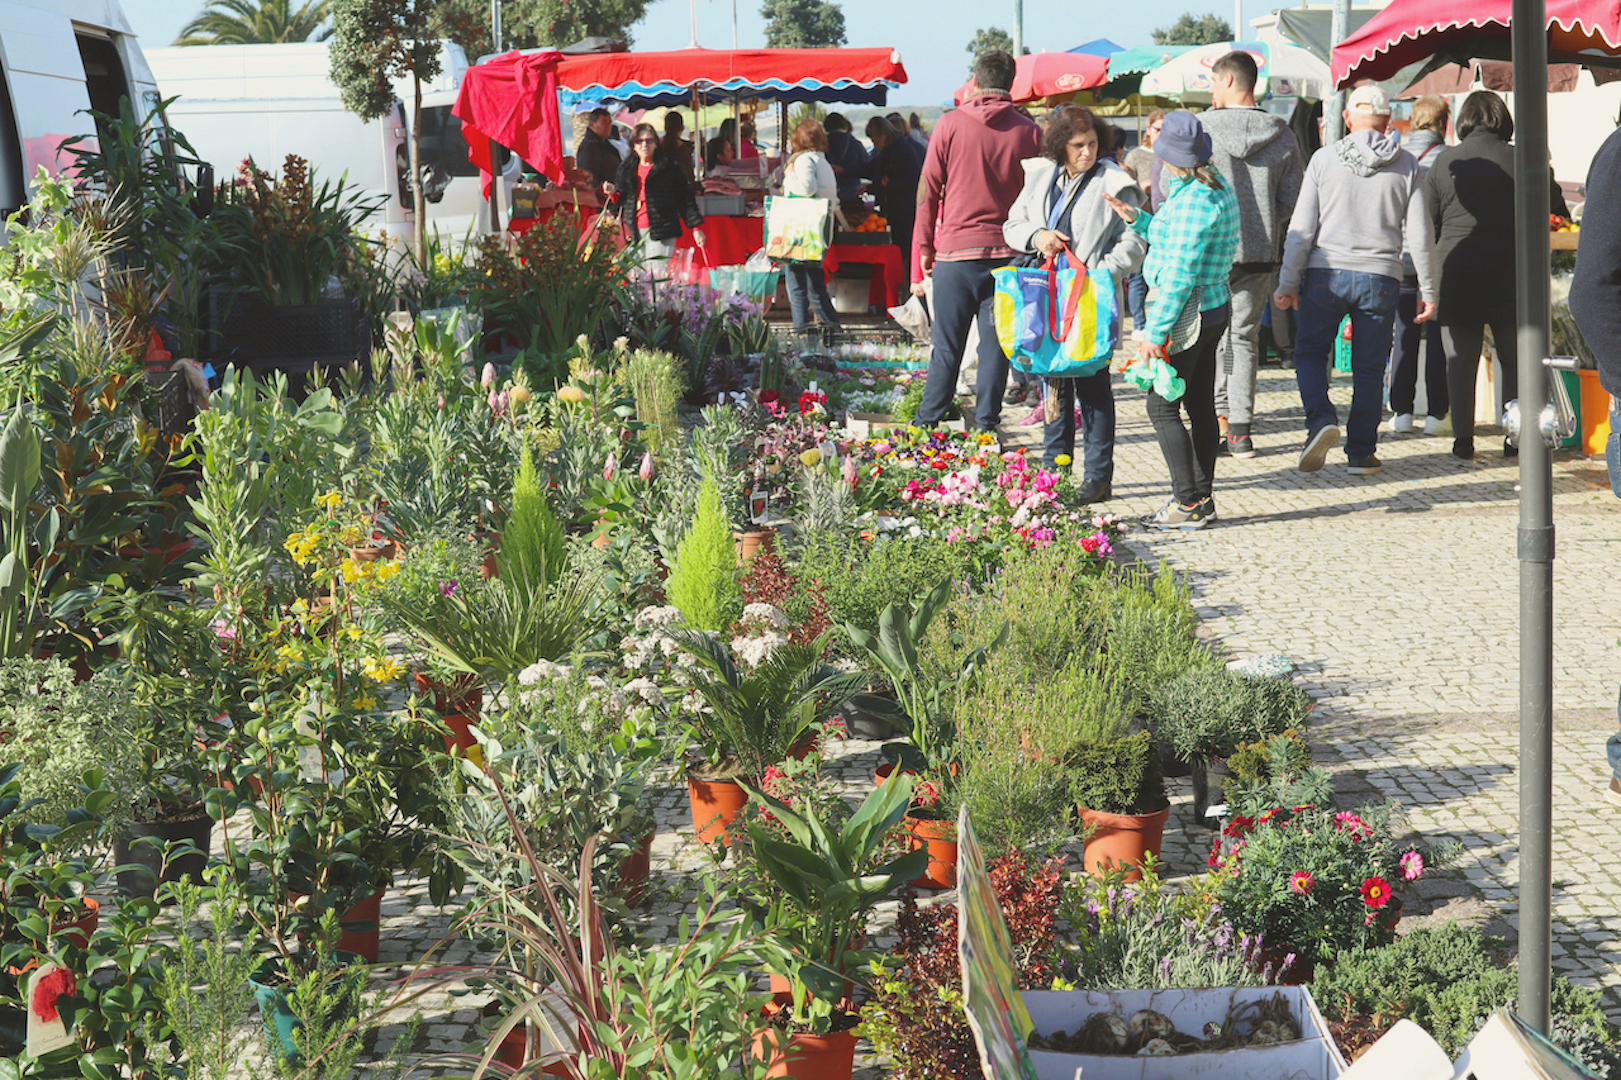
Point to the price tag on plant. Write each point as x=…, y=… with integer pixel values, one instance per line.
x=46, y=1029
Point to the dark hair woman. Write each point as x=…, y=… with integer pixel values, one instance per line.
x=896, y=167
x=1470, y=191
x=653, y=199
x=1063, y=205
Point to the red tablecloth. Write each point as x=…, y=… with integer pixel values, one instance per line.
x=584, y=215
x=729, y=241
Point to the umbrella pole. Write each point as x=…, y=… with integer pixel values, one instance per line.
x=1529, y=34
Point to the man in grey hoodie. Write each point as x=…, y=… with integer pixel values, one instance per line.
x=1259, y=155
x=1362, y=196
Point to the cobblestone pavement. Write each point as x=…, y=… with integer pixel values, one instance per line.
x=1396, y=595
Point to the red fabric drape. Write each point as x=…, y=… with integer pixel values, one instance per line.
x=513, y=100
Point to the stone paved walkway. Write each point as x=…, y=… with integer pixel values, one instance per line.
x=1397, y=595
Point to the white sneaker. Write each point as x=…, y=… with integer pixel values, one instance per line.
x=1402, y=424
x=1438, y=425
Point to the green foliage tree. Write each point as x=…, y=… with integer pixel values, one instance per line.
x=531, y=554
x=257, y=22
x=704, y=582
x=1193, y=29
x=375, y=42
x=530, y=24
x=803, y=24
x=987, y=39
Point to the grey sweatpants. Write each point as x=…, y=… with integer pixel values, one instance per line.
x=1240, y=355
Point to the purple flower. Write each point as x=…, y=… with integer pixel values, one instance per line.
x=450, y=588
x=1165, y=969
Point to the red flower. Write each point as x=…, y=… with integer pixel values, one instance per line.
x=1376, y=892
x=1239, y=826
x=1300, y=882
x=926, y=794
x=47, y=989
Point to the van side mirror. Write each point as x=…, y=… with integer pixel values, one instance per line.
x=202, y=199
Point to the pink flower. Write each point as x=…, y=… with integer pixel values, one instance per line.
x=610, y=466
x=1412, y=865
x=646, y=471
x=223, y=630
x=1348, y=822
x=850, y=471
x=1300, y=882
x=487, y=379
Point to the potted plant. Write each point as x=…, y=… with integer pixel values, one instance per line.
x=824, y=879
x=1207, y=714
x=1117, y=788
x=756, y=715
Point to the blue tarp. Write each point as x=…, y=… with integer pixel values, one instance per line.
x=1100, y=47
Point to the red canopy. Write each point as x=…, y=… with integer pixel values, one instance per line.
x=513, y=100
x=1048, y=74
x=1412, y=30
x=765, y=72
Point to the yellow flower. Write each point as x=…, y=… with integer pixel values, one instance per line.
x=331, y=499
x=571, y=393
x=355, y=571
x=365, y=703
x=1062, y=460
x=518, y=396
x=385, y=570
x=383, y=668
x=811, y=457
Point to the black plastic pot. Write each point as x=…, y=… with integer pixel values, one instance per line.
x=142, y=847
x=1209, y=774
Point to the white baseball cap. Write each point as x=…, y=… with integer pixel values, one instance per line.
x=1369, y=99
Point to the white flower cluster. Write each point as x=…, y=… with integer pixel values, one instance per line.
x=653, y=640
x=764, y=629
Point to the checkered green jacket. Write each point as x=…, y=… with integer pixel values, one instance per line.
x=1192, y=240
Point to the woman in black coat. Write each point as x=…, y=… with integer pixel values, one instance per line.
x=1470, y=191
x=653, y=198
x=895, y=168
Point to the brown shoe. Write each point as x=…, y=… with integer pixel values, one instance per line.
x=1613, y=793
x=1221, y=421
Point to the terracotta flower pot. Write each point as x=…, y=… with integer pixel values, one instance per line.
x=635, y=872
x=751, y=543
x=1121, y=840
x=363, y=943
x=78, y=931
x=463, y=694
x=939, y=839
x=489, y=568
x=460, y=738
x=374, y=553
x=715, y=805
x=806, y=1057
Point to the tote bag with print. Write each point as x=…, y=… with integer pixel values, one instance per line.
x=797, y=228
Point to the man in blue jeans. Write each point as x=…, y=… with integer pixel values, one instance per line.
x=1595, y=301
x=971, y=177
x=1342, y=257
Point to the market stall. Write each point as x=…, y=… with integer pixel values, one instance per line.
x=1284, y=71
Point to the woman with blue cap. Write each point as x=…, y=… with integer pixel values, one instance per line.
x=1192, y=239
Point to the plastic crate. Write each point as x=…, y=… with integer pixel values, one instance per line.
x=758, y=284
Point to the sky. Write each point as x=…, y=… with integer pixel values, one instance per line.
x=932, y=35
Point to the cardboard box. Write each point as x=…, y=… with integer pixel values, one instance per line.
x=1312, y=1057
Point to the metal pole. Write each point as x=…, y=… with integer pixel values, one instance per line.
x=496, y=190
x=495, y=26
x=1529, y=32
x=694, y=24
x=1018, y=28
x=1238, y=20
x=1334, y=107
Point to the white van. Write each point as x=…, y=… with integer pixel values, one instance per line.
x=59, y=59
x=268, y=101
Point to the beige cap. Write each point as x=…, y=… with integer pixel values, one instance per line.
x=1368, y=99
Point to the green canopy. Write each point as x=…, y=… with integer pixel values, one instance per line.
x=1143, y=58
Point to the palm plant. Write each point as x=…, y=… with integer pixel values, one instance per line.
x=756, y=719
x=257, y=22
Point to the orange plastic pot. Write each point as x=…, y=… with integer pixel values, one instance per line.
x=806, y=1057
x=375, y=553
x=78, y=931
x=751, y=543
x=463, y=694
x=715, y=805
x=463, y=738
x=1118, y=841
x=939, y=839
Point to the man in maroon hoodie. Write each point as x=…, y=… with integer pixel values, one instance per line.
x=971, y=176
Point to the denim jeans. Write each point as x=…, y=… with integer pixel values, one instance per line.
x=1191, y=454
x=963, y=291
x=1096, y=398
x=1404, y=358
x=1239, y=358
x=1326, y=297
x=806, y=282
x=1136, y=293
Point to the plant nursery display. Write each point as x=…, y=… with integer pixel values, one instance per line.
x=366, y=687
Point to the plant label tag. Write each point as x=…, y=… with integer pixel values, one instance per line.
x=46, y=1029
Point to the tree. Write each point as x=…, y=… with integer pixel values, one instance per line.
x=375, y=42
x=803, y=24
x=1193, y=29
x=988, y=39
x=257, y=22
x=533, y=24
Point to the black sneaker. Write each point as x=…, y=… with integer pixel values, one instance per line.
x=1241, y=446
x=1094, y=491
x=1225, y=447
x=1208, y=505
x=1463, y=451
x=1510, y=450
x=1173, y=515
x=1365, y=466
x=1015, y=394
x=1318, y=444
